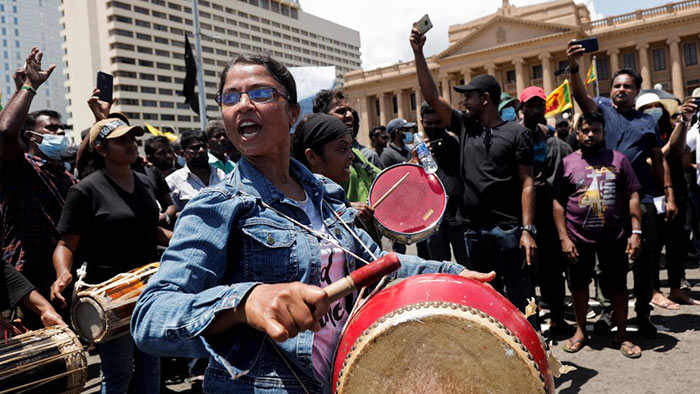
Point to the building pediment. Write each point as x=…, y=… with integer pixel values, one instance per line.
x=502, y=30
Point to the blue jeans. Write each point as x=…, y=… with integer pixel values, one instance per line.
x=120, y=359
x=498, y=249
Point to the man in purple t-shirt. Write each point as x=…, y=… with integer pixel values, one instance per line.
x=595, y=201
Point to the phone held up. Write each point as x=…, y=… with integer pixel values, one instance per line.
x=589, y=44
x=104, y=83
x=424, y=24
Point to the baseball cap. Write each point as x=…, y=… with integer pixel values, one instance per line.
x=505, y=100
x=531, y=92
x=483, y=82
x=696, y=93
x=398, y=123
x=111, y=128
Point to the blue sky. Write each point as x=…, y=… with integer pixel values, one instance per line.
x=384, y=25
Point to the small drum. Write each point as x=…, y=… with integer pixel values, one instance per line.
x=50, y=360
x=412, y=211
x=103, y=311
x=440, y=333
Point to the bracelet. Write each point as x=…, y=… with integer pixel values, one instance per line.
x=573, y=70
x=31, y=89
x=638, y=232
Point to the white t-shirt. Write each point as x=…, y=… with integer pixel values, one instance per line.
x=332, y=269
x=692, y=141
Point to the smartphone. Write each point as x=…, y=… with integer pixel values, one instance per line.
x=697, y=103
x=104, y=83
x=424, y=24
x=589, y=44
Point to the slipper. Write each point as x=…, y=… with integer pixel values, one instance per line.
x=574, y=346
x=670, y=305
x=689, y=301
x=627, y=349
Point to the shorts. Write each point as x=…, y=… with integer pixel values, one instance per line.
x=612, y=261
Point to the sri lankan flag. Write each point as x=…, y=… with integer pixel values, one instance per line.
x=170, y=136
x=591, y=75
x=559, y=100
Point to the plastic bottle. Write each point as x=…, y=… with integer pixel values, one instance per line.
x=426, y=158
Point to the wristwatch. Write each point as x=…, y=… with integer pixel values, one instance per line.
x=530, y=228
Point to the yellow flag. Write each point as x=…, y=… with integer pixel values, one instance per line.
x=559, y=100
x=170, y=136
x=592, y=74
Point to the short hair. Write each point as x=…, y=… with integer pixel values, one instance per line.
x=325, y=98
x=191, y=137
x=277, y=70
x=215, y=127
x=30, y=121
x=426, y=108
x=150, y=145
x=590, y=118
x=376, y=130
x=632, y=73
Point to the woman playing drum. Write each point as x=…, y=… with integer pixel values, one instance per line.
x=112, y=214
x=240, y=281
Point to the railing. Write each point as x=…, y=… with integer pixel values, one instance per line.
x=640, y=15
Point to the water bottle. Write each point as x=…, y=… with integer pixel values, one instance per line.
x=424, y=155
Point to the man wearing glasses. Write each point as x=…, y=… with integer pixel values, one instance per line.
x=186, y=182
x=495, y=165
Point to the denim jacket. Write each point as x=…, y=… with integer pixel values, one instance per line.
x=225, y=243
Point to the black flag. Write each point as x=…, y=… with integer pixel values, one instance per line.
x=190, y=78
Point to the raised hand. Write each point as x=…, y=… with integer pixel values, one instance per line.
x=19, y=76
x=98, y=107
x=574, y=53
x=417, y=40
x=35, y=76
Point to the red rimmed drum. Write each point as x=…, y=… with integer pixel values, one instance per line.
x=440, y=333
x=413, y=210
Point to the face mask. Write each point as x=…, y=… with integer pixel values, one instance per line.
x=508, y=114
x=199, y=161
x=407, y=137
x=181, y=161
x=67, y=165
x=53, y=146
x=655, y=113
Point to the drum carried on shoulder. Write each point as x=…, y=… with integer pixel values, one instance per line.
x=440, y=333
x=103, y=311
x=408, y=203
x=49, y=360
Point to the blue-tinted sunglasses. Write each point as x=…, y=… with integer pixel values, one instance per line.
x=257, y=95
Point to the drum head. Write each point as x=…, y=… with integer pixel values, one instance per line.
x=88, y=319
x=416, y=205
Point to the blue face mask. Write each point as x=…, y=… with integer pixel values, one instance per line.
x=508, y=114
x=181, y=162
x=655, y=113
x=407, y=137
x=53, y=146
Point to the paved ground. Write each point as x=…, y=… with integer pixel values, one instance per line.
x=668, y=364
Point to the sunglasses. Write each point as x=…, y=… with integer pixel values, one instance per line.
x=258, y=95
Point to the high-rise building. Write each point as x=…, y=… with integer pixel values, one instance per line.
x=23, y=25
x=141, y=43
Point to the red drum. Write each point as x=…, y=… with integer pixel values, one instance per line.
x=413, y=210
x=440, y=333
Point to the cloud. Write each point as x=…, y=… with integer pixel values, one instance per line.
x=385, y=26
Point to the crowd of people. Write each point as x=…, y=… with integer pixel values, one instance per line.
x=254, y=221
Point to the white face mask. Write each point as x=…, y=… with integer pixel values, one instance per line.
x=655, y=113
x=52, y=145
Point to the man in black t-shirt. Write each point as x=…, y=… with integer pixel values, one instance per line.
x=496, y=157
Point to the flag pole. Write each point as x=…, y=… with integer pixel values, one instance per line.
x=200, y=69
x=595, y=71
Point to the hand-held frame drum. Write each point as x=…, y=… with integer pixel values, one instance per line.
x=50, y=360
x=409, y=203
x=103, y=311
x=440, y=333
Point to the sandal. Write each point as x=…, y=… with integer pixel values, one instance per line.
x=664, y=302
x=628, y=348
x=574, y=346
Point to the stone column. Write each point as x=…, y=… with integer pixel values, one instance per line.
x=400, y=103
x=445, y=88
x=644, y=68
x=419, y=101
x=519, y=75
x=385, y=112
x=547, y=76
x=467, y=74
x=614, y=56
x=491, y=69
x=365, y=112
x=676, y=71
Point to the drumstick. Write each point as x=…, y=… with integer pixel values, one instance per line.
x=382, y=198
x=362, y=277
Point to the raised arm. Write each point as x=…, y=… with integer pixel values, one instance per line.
x=578, y=90
x=676, y=142
x=425, y=80
x=15, y=112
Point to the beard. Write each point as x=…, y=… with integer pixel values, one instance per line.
x=593, y=149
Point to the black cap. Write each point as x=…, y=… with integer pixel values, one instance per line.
x=484, y=83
